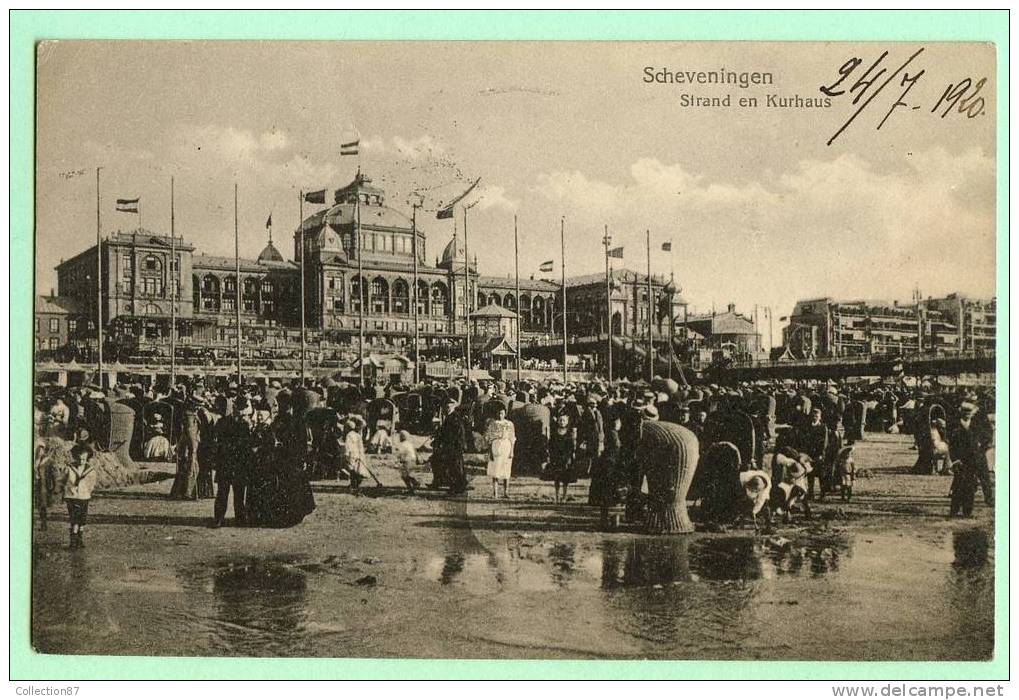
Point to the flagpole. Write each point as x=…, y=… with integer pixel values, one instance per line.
x=467, y=297
x=650, y=329
x=417, y=324
x=237, y=285
x=516, y=272
x=608, y=302
x=300, y=209
x=361, y=291
x=99, y=286
x=562, y=243
x=174, y=272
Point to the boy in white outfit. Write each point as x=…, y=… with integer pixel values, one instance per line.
x=78, y=486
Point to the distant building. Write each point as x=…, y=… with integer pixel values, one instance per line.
x=631, y=314
x=59, y=322
x=727, y=334
x=975, y=319
x=825, y=327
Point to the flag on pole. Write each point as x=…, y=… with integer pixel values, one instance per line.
x=268, y=222
x=317, y=197
x=447, y=211
x=349, y=148
x=128, y=205
x=616, y=253
x=667, y=246
x=547, y=266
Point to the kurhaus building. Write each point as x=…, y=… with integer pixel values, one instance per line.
x=141, y=269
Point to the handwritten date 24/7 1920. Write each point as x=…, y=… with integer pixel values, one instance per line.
x=865, y=83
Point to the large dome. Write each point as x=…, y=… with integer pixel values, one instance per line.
x=371, y=215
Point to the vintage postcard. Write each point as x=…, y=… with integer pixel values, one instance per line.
x=667, y=350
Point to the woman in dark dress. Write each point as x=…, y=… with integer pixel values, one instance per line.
x=263, y=488
x=450, y=445
x=280, y=494
x=605, y=474
x=206, y=452
x=295, y=497
x=562, y=454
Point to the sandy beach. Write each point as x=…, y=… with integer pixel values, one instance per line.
x=885, y=576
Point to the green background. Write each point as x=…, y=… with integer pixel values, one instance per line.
x=27, y=27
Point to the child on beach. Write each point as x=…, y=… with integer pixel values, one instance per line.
x=406, y=459
x=80, y=481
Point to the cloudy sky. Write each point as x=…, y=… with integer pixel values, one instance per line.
x=759, y=208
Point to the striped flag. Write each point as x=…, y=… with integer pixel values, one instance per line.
x=547, y=266
x=616, y=253
x=318, y=197
x=349, y=148
x=128, y=205
x=667, y=246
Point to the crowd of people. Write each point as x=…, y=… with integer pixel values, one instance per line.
x=765, y=450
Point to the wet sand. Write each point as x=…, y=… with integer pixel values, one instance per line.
x=886, y=576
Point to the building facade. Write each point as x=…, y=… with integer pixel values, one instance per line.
x=727, y=334
x=631, y=313
x=59, y=323
x=825, y=327
x=146, y=274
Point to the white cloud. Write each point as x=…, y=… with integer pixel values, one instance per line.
x=495, y=197
x=836, y=227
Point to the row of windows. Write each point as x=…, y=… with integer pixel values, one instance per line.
x=151, y=266
x=54, y=325
x=248, y=305
x=388, y=243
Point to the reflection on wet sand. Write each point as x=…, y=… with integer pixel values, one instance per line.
x=700, y=596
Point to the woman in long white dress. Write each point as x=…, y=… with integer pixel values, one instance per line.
x=501, y=438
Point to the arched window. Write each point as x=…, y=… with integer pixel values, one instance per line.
x=538, y=313
x=401, y=297
x=250, y=295
x=210, y=293
x=230, y=284
x=525, y=311
x=423, y=297
x=510, y=302
x=152, y=276
x=358, y=294
x=440, y=299
x=494, y=298
x=380, y=296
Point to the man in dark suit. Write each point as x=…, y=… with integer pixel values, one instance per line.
x=968, y=453
x=236, y=455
